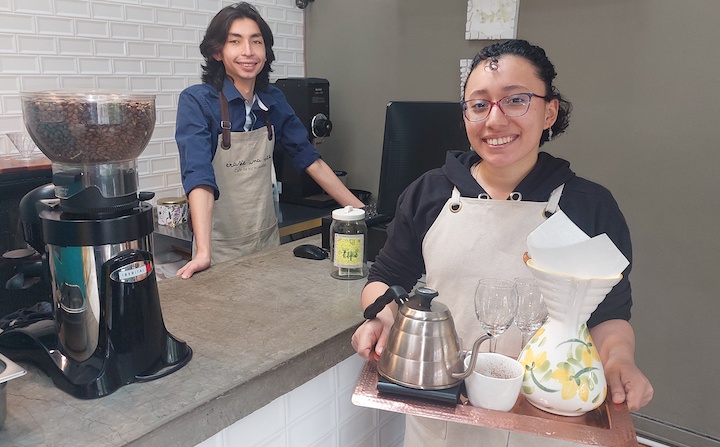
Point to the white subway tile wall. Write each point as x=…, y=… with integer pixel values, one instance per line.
x=148, y=46
x=316, y=414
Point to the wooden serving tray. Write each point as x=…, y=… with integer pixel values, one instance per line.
x=608, y=425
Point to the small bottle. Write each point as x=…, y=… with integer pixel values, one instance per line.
x=347, y=243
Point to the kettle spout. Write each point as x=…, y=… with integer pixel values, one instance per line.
x=473, y=358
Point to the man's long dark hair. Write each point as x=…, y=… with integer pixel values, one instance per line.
x=216, y=36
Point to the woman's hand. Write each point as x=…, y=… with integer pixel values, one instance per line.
x=615, y=341
x=370, y=338
x=627, y=383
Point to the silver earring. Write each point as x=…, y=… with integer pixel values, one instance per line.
x=549, y=134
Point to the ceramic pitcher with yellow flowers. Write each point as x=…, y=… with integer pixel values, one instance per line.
x=563, y=372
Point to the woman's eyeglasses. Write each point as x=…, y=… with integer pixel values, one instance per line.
x=512, y=106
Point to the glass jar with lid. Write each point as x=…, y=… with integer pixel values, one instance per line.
x=347, y=243
x=172, y=211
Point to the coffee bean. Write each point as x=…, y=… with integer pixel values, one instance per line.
x=75, y=130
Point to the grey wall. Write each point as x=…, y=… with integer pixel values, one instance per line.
x=641, y=75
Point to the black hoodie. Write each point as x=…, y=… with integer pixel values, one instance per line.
x=589, y=205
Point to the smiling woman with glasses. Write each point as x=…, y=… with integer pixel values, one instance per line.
x=470, y=220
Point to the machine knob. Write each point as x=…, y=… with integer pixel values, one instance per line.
x=321, y=126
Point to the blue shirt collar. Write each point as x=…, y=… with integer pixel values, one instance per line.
x=265, y=100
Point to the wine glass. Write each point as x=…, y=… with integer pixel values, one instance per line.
x=23, y=142
x=495, y=306
x=531, y=311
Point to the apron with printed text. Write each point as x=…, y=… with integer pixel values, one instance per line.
x=244, y=219
x=475, y=238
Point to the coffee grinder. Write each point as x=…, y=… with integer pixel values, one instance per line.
x=310, y=99
x=107, y=328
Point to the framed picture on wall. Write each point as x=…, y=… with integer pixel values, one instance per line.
x=491, y=19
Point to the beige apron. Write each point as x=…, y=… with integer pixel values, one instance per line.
x=244, y=219
x=471, y=239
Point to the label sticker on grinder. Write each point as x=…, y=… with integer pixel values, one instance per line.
x=137, y=271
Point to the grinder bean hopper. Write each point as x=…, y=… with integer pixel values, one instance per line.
x=107, y=328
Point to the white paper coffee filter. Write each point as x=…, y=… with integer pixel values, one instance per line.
x=558, y=245
x=557, y=231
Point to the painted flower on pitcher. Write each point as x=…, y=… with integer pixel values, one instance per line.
x=590, y=356
x=530, y=362
x=571, y=385
x=537, y=370
x=576, y=375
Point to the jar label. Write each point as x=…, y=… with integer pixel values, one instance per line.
x=349, y=250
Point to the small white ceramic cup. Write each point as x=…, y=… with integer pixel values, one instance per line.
x=495, y=383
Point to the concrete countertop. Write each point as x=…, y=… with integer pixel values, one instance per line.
x=259, y=327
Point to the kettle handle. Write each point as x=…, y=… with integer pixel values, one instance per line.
x=473, y=357
x=394, y=293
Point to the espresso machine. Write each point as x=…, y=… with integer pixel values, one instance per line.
x=95, y=234
x=310, y=99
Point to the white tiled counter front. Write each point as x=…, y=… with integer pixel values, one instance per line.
x=318, y=413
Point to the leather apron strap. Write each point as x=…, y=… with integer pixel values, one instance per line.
x=225, y=123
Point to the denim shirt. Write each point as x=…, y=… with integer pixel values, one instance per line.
x=198, y=128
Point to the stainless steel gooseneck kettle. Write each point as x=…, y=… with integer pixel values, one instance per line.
x=423, y=350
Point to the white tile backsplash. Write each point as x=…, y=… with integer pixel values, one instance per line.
x=189, y=36
x=316, y=425
x=329, y=440
x=57, y=65
x=8, y=44
x=310, y=395
x=170, y=17
x=182, y=4
x=124, y=30
x=70, y=8
x=54, y=26
x=116, y=48
x=141, y=14
x=392, y=429
x=128, y=67
x=36, y=6
x=148, y=46
x=113, y=83
x=108, y=11
x=142, y=50
x=354, y=430
x=90, y=28
x=318, y=413
x=73, y=46
x=277, y=440
x=346, y=409
x=347, y=372
x=259, y=426
x=19, y=64
x=36, y=44
x=95, y=65
x=16, y=23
